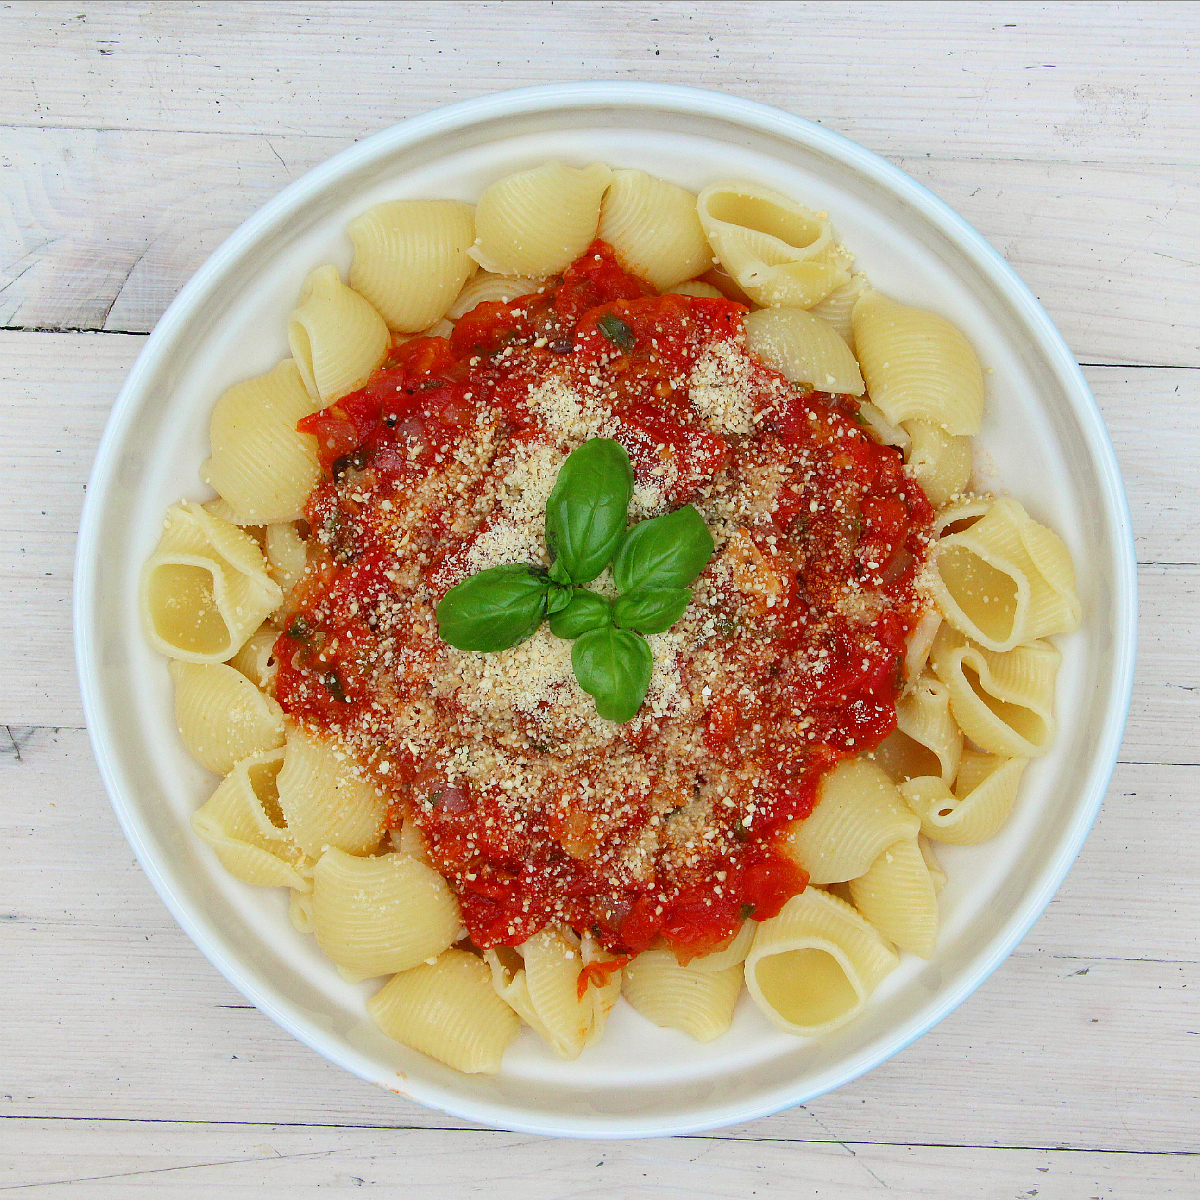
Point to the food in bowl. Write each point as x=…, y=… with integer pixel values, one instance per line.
x=613, y=620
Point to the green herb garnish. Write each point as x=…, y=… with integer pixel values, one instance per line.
x=617, y=332
x=653, y=564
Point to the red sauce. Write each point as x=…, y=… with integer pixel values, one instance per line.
x=808, y=604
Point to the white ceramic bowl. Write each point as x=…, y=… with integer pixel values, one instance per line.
x=1042, y=436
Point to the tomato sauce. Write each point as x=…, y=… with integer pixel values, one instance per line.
x=665, y=830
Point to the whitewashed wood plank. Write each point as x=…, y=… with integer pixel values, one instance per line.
x=123, y=1159
x=1072, y=1030
x=57, y=390
x=1091, y=82
x=1111, y=251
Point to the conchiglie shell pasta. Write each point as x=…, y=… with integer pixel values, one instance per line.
x=698, y=288
x=256, y=659
x=926, y=740
x=733, y=955
x=243, y=824
x=939, y=461
x=324, y=802
x=976, y=809
x=410, y=258
x=261, y=464
x=777, y=251
x=1005, y=580
x=917, y=365
x=222, y=716
x=449, y=1011
x=375, y=916
x=205, y=589
x=541, y=982
x=1003, y=702
x=670, y=996
x=489, y=288
x=897, y=896
x=813, y=966
x=287, y=555
x=804, y=349
x=653, y=227
x=837, y=307
x=337, y=338
x=537, y=222
x=858, y=813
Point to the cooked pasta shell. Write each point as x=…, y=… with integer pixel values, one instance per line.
x=837, y=307
x=976, y=809
x=1005, y=580
x=926, y=740
x=243, y=824
x=917, y=365
x=936, y=875
x=1003, y=702
x=939, y=461
x=897, y=896
x=777, y=251
x=537, y=222
x=541, y=983
x=256, y=659
x=698, y=288
x=920, y=641
x=653, y=227
x=222, y=717
x=489, y=288
x=324, y=801
x=813, y=966
x=375, y=916
x=858, y=813
x=287, y=555
x=261, y=464
x=449, y=1011
x=804, y=349
x=410, y=258
x=960, y=513
x=337, y=338
x=881, y=429
x=671, y=996
x=205, y=589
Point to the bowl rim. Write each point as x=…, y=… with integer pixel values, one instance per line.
x=623, y=94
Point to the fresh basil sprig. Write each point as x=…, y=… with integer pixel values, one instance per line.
x=587, y=510
x=653, y=564
x=614, y=667
x=666, y=552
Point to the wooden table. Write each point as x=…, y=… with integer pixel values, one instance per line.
x=137, y=136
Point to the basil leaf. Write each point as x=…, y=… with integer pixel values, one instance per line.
x=586, y=511
x=494, y=609
x=558, y=596
x=613, y=666
x=617, y=332
x=651, y=610
x=586, y=611
x=667, y=552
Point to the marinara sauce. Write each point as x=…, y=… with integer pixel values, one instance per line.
x=670, y=829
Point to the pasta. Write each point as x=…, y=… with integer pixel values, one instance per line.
x=537, y=222
x=858, y=668
x=778, y=251
x=918, y=367
x=653, y=227
x=804, y=349
x=1005, y=580
x=813, y=966
x=205, y=589
x=377, y=916
x=410, y=259
x=337, y=338
x=448, y=1010
x=254, y=424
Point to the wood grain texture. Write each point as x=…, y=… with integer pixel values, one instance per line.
x=135, y=136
